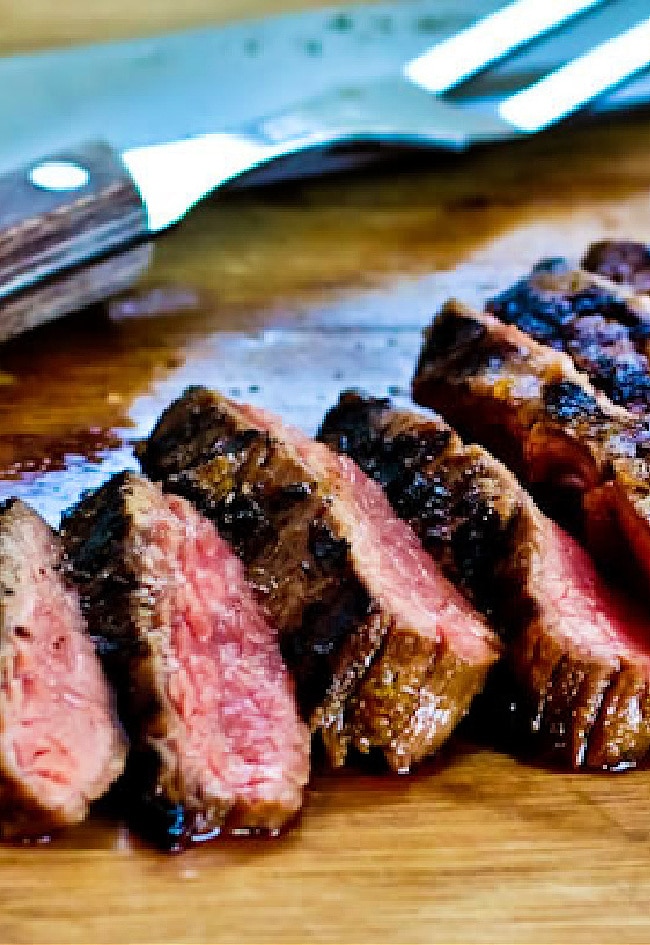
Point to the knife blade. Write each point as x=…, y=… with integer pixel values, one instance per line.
x=169, y=87
x=190, y=111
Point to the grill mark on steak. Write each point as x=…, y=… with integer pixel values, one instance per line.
x=602, y=326
x=216, y=740
x=570, y=639
x=453, y=501
x=567, y=401
x=371, y=671
x=590, y=466
x=61, y=746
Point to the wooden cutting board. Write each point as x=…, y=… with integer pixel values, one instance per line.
x=284, y=297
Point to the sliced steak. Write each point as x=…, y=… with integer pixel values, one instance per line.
x=623, y=261
x=604, y=327
x=61, y=746
x=386, y=652
x=579, y=653
x=203, y=692
x=463, y=505
x=586, y=458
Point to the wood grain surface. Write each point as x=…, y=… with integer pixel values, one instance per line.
x=284, y=297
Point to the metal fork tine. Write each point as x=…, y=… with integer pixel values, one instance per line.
x=392, y=110
x=581, y=80
x=454, y=60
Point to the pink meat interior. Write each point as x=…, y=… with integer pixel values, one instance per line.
x=578, y=603
x=583, y=608
x=236, y=732
x=398, y=571
x=58, y=731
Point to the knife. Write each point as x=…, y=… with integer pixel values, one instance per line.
x=287, y=96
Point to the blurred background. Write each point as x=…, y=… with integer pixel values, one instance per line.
x=37, y=24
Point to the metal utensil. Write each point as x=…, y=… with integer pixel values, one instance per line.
x=315, y=88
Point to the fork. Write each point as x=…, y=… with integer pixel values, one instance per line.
x=469, y=89
x=514, y=72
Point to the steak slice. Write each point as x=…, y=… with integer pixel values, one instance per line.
x=579, y=652
x=586, y=459
x=203, y=692
x=61, y=746
x=386, y=652
x=604, y=327
x=463, y=505
x=623, y=261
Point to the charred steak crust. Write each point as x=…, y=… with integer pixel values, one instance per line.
x=277, y=518
x=452, y=496
x=364, y=681
x=97, y=536
x=624, y=262
x=602, y=326
x=581, y=709
x=586, y=459
x=61, y=746
x=107, y=540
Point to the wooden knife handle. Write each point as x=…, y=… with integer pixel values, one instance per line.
x=73, y=290
x=62, y=212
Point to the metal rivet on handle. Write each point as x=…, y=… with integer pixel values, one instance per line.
x=59, y=175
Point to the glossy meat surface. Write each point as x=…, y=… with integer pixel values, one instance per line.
x=207, y=700
x=586, y=457
x=580, y=653
x=387, y=654
x=603, y=327
x=61, y=746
